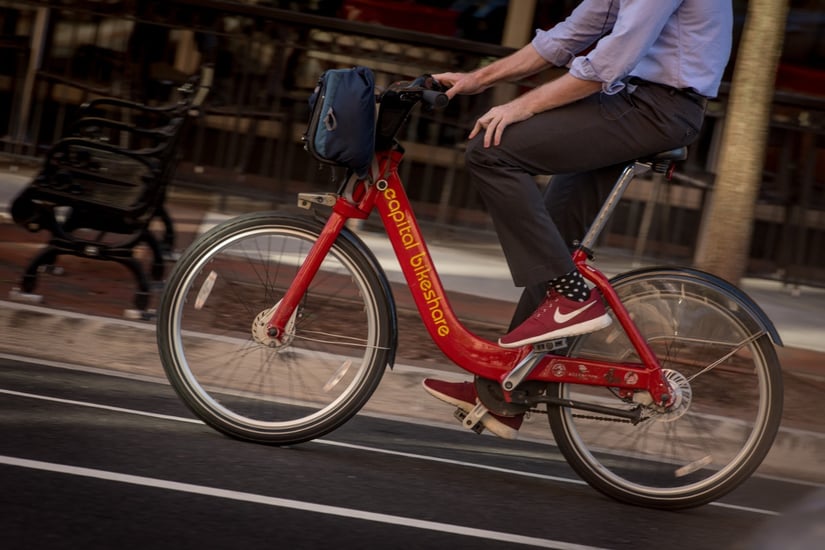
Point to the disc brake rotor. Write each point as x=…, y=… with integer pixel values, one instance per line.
x=682, y=398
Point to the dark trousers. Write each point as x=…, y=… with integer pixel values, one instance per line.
x=584, y=146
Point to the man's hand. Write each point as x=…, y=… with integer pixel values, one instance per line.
x=494, y=121
x=521, y=63
x=460, y=83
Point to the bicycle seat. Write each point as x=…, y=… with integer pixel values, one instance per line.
x=666, y=156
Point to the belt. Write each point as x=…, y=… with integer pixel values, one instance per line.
x=689, y=93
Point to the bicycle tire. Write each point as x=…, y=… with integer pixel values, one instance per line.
x=229, y=376
x=715, y=347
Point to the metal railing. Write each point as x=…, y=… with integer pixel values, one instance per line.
x=267, y=61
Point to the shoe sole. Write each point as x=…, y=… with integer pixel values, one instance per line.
x=489, y=421
x=575, y=330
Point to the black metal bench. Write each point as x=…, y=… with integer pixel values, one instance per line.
x=101, y=185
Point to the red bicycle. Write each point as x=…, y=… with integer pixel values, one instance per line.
x=277, y=328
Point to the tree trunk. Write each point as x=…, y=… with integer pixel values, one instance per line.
x=725, y=237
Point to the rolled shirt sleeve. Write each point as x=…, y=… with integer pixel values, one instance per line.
x=588, y=22
x=681, y=43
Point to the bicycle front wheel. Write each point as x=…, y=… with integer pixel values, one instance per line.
x=227, y=371
x=723, y=369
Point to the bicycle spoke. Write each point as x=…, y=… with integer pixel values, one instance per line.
x=725, y=377
x=232, y=374
x=722, y=359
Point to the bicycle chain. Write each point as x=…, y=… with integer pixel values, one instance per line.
x=589, y=417
x=603, y=418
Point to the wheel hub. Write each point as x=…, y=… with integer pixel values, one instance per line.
x=682, y=397
x=260, y=329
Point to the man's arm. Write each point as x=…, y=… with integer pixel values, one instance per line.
x=637, y=26
x=524, y=62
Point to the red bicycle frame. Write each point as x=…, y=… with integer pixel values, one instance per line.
x=470, y=352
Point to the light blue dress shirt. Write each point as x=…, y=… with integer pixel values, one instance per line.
x=679, y=43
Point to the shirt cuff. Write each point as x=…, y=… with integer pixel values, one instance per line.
x=582, y=68
x=550, y=49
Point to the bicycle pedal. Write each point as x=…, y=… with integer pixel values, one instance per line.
x=551, y=345
x=472, y=420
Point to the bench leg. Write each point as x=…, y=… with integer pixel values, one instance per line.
x=142, y=294
x=47, y=257
x=168, y=243
x=158, y=267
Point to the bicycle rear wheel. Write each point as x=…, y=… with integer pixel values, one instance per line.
x=228, y=373
x=722, y=365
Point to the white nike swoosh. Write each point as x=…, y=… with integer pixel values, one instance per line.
x=561, y=318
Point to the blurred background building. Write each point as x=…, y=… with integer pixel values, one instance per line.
x=268, y=54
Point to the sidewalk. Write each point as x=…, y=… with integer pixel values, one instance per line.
x=81, y=318
x=478, y=267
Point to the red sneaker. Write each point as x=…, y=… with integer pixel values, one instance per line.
x=558, y=317
x=463, y=395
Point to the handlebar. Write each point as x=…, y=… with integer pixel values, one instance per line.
x=437, y=100
x=425, y=89
x=399, y=99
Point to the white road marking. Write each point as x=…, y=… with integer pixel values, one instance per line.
x=364, y=448
x=98, y=406
x=349, y=513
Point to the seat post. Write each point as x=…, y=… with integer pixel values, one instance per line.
x=609, y=206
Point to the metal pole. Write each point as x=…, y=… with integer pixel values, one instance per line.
x=519, y=23
x=517, y=31
x=38, y=42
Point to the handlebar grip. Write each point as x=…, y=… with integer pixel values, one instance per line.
x=436, y=99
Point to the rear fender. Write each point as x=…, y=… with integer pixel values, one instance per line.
x=743, y=300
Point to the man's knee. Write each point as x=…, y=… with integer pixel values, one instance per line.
x=478, y=157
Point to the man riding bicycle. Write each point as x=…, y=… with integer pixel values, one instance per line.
x=640, y=73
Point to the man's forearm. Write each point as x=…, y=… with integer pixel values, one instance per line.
x=520, y=64
x=561, y=91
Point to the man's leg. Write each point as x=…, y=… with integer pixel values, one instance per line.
x=594, y=133
x=572, y=200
